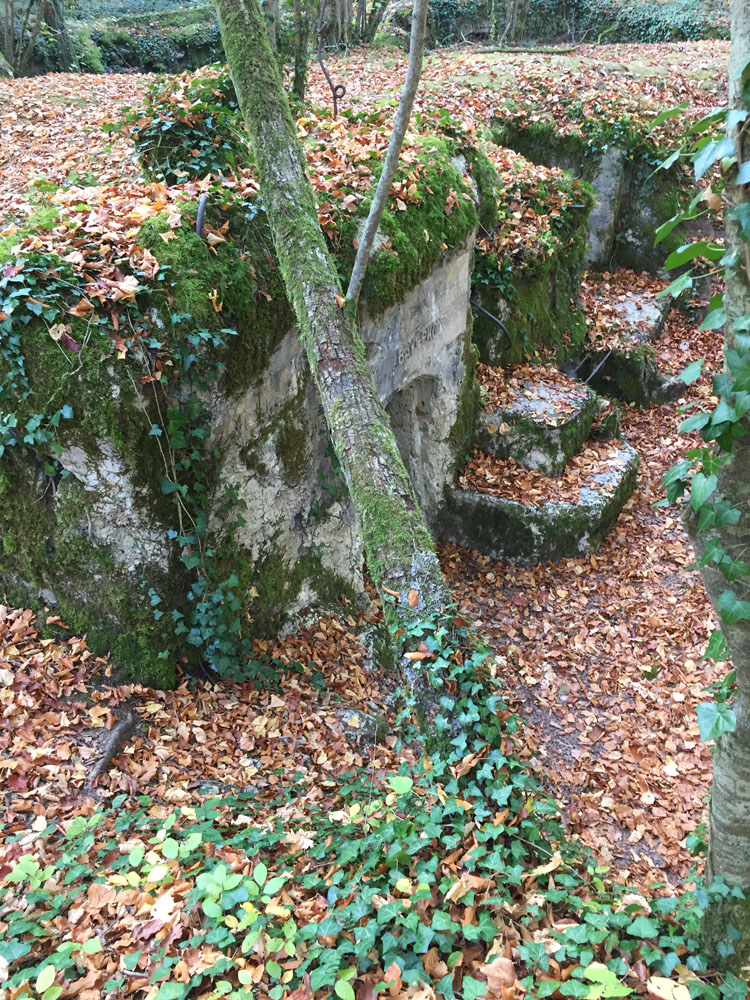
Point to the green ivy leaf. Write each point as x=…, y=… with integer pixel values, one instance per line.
x=344, y=990
x=172, y=991
x=714, y=320
x=741, y=214
x=701, y=488
x=574, y=988
x=733, y=988
x=45, y=978
x=170, y=848
x=717, y=647
x=472, y=988
x=715, y=719
x=732, y=608
x=400, y=783
x=692, y=372
x=643, y=927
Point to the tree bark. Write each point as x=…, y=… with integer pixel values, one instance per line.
x=302, y=23
x=54, y=15
x=729, y=839
x=516, y=12
x=272, y=10
x=20, y=32
x=400, y=554
x=400, y=125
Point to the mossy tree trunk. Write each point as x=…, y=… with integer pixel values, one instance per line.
x=400, y=554
x=302, y=22
x=729, y=844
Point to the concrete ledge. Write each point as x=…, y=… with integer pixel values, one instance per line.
x=504, y=528
x=542, y=420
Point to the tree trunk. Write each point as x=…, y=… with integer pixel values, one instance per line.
x=729, y=844
x=361, y=24
x=54, y=15
x=20, y=31
x=400, y=554
x=516, y=12
x=272, y=10
x=302, y=22
x=400, y=125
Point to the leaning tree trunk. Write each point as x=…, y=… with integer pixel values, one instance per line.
x=729, y=843
x=400, y=125
x=400, y=554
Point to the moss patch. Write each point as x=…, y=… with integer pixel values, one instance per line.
x=237, y=287
x=418, y=236
x=46, y=551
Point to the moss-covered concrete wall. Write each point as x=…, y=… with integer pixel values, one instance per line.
x=631, y=198
x=189, y=495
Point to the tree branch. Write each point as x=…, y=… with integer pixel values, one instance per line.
x=400, y=125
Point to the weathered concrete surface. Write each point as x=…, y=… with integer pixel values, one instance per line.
x=274, y=456
x=535, y=431
x=608, y=187
x=415, y=353
x=506, y=529
x=115, y=515
x=626, y=368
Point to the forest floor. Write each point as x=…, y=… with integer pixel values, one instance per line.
x=601, y=655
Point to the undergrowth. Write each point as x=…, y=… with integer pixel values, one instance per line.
x=454, y=878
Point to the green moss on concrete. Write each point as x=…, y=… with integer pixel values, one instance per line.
x=542, y=143
x=533, y=443
x=292, y=449
x=240, y=276
x=505, y=529
x=47, y=551
x=650, y=199
x=485, y=177
x=279, y=581
x=538, y=305
x=631, y=376
x=393, y=271
x=462, y=433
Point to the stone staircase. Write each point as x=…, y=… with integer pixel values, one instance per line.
x=538, y=486
x=625, y=318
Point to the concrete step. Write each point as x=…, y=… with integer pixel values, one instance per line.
x=624, y=319
x=508, y=512
x=535, y=415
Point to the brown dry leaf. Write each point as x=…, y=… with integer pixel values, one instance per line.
x=667, y=989
x=499, y=973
